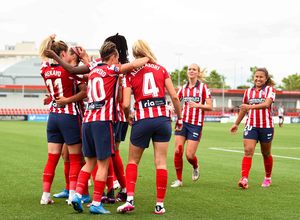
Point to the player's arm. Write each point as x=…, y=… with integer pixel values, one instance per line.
x=71, y=69
x=126, y=101
x=75, y=98
x=266, y=104
x=173, y=96
x=134, y=64
x=240, y=117
x=206, y=107
x=46, y=45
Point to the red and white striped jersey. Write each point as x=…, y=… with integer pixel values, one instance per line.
x=259, y=118
x=59, y=82
x=199, y=93
x=148, y=86
x=102, y=82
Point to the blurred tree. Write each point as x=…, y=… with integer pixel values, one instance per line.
x=183, y=76
x=291, y=82
x=215, y=80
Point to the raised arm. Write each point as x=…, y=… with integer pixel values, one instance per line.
x=45, y=45
x=134, y=64
x=71, y=69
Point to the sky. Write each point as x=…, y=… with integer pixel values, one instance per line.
x=228, y=36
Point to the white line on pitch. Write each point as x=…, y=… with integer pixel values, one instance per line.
x=239, y=151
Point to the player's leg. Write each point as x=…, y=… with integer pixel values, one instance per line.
x=160, y=139
x=266, y=136
x=65, y=157
x=191, y=149
x=249, y=147
x=120, y=174
x=99, y=185
x=180, y=138
x=160, y=158
x=134, y=157
x=82, y=182
x=54, y=152
x=55, y=143
x=194, y=134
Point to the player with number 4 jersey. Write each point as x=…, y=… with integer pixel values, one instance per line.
x=151, y=122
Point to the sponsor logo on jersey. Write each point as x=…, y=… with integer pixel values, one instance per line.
x=191, y=99
x=95, y=105
x=256, y=101
x=146, y=103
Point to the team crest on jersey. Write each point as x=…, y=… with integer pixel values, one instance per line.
x=114, y=68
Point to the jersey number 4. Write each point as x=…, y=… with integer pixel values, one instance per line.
x=149, y=86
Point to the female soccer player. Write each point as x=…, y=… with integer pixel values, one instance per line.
x=74, y=59
x=152, y=121
x=259, y=126
x=63, y=124
x=196, y=99
x=97, y=131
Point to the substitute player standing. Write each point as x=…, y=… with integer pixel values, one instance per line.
x=196, y=99
x=151, y=121
x=259, y=126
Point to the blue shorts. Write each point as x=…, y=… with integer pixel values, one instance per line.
x=190, y=131
x=264, y=135
x=120, y=131
x=63, y=128
x=158, y=129
x=98, y=139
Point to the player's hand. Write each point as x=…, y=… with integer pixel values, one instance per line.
x=244, y=107
x=47, y=100
x=234, y=128
x=62, y=100
x=50, y=54
x=52, y=36
x=179, y=124
x=193, y=105
x=83, y=54
x=130, y=120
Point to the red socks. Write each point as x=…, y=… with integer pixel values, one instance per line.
x=131, y=176
x=178, y=162
x=194, y=162
x=110, y=176
x=49, y=171
x=82, y=181
x=268, y=162
x=246, y=165
x=67, y=172
x=119, y=169
x=161, y=184
x=75, y=167
x=98, y=190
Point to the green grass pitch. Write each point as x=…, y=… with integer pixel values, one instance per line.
x=23, y=153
